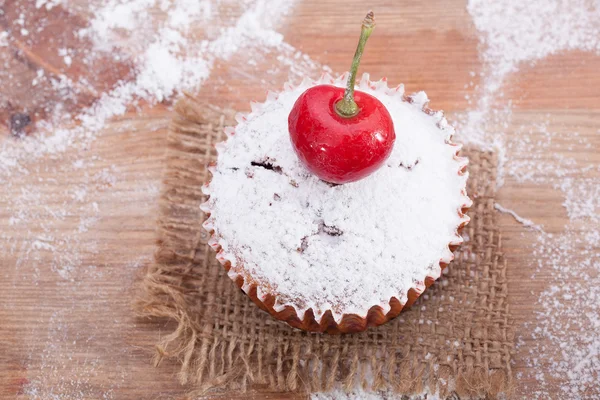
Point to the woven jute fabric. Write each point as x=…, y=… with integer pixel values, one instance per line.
x=456, y=340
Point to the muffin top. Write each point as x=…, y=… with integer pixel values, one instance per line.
x=343, y=248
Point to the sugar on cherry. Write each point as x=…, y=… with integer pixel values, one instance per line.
x=342, y=135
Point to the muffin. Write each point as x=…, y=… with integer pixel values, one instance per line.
x=336, y=258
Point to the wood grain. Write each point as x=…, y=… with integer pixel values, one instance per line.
x=72, y=333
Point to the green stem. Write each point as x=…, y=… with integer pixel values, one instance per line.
x=347, y=107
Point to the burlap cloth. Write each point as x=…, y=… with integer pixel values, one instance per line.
x=456, y=339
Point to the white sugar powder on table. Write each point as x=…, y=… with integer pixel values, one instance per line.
x=386, y=232
x=564, y=337
x=167, y=60
x=361, y=394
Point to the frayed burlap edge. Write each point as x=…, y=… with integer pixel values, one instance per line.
x=223, y=341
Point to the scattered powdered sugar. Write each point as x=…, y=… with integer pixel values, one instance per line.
x=47, y=4
x=561, y=345
x=526, y=222
x=513, y=33
x=516, y=32
x=343, y=248
x=361, y=394
x=171, y=51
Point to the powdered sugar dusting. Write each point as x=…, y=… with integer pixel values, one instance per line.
x=516, y=32
x=526, y=222
x=169, y=53
x=47, y=4
x=360, y=394
x=344, y=248
x=562, y=343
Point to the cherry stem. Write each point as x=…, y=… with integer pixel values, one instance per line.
x=347, y=107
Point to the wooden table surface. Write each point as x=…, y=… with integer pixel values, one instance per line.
x=72, y=241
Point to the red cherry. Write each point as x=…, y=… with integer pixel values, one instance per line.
x=336, y=148
x=339, y=135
